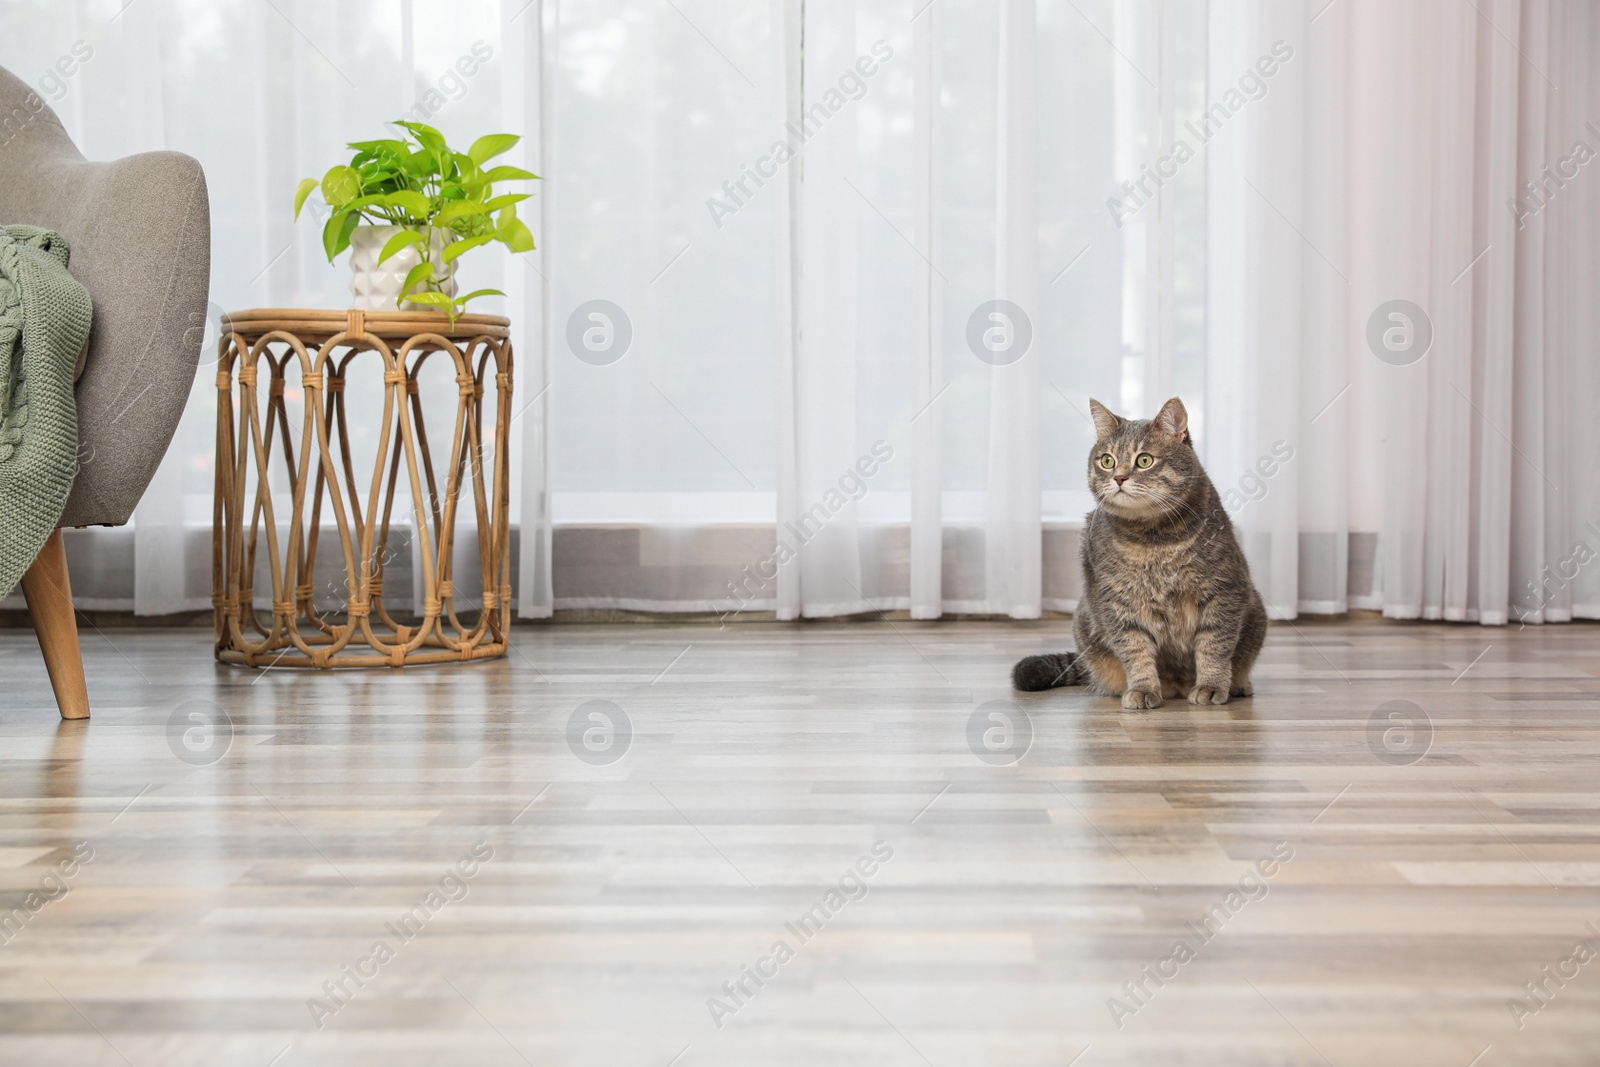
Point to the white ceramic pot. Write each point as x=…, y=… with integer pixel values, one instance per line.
x=377, y=288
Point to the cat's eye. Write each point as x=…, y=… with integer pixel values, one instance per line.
x=1108, y=461
x=1144, y=460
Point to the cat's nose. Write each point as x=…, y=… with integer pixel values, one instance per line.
x=1120, y=478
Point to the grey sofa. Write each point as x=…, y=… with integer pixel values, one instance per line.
x=140, y=233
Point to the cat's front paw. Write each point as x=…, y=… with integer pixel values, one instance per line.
x=1208, y=694
x=1139, y=699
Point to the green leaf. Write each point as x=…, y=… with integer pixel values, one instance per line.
x=457, y=208
x=506, y=201
x=403, y=239
x=377, y=147
x=508, y=174
x=452, y=252
x=364, y=202
x=502, y=226
x=336, y=234
x=421, y=164
x=462, y=300
x=515, y=233
x=412, y=203
x=302, y=191
x=330, y=235
x=490, y=145
x=426, y=136
x=340, y=186
x=420, y=273
x=437, y=300
x=470, y=226
x=364, y=161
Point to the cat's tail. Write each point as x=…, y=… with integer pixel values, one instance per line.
x=1033, y=673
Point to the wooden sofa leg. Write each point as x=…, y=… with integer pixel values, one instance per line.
x=49, y=595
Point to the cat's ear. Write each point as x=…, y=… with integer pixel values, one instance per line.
x=1173, y=420
x=1105, y=423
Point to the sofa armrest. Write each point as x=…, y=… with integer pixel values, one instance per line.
x=140, y=233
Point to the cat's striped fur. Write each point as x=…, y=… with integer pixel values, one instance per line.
x=1167, y=607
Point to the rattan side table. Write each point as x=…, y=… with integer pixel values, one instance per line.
x=257, y=350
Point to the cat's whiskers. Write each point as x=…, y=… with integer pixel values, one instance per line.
x=1133, y=498
x=1177, y=506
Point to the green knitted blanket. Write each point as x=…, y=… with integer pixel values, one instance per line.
x=44, y=322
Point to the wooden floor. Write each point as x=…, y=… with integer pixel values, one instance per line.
x=201, y=899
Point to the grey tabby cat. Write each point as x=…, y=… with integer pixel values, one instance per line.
x=1168, y=607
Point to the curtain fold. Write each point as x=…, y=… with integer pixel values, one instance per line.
x=159, y=571
x=1317, y=469
x=531, y=30
x=822, y=525
x=927, y=340
x=1012, y=529
x=785, y=113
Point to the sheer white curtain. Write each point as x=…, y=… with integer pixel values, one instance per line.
x=868, y=407
x=955, y=307
x=1436, y=155
x=262, y=94
x=823, y=386
x=801, y=243
x=823, y=289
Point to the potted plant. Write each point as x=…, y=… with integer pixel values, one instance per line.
x=408, y=209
